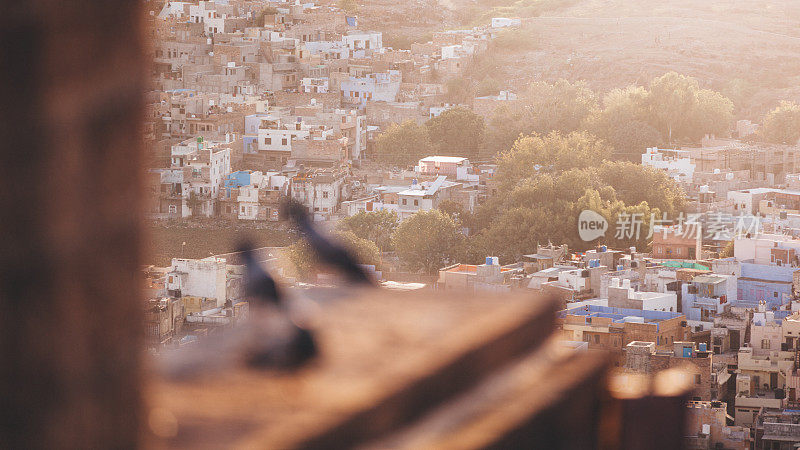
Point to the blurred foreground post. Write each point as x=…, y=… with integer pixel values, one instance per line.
x=71, y=83
x=422, y=370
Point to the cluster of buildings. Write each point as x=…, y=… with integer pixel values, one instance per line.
x=729, y=324
x=200, y=182
x=725, y=179
x=257, y=102
x=254, y=101
x=191, y=298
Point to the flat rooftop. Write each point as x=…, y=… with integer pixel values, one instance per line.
x=619, y=315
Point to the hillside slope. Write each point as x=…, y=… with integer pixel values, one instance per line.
x=748, y=50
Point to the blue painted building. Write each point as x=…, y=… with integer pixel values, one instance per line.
x=236, y=180
x=769, y=283
x=708, y=295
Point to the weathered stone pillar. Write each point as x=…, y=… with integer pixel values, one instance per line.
x=71, y=78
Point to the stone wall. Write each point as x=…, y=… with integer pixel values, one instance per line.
x=71, y=78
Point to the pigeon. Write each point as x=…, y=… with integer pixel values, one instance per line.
x=329, y=251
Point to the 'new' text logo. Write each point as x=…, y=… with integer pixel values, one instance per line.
x=591, y=225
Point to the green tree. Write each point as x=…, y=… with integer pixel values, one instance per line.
x=457, y=212
x=307, y=264
x=782, y=124
x=541, y=206
x=622, y=123
x=376, y=226
x=364, y=250
x=552, y=153
x=634, y=184
x=426, y=241
x=630, y=139
x=457, y=132
x=713, y=114
x=517, y=232
x=544, y=107
x=629, y=225
x=682, y=111
x=562, y=106
x=403, y=145
x=740, y=91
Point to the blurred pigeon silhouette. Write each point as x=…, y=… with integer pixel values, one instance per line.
x=268, y=339
x=259, y=285
x=261, y=289
x=329, y=251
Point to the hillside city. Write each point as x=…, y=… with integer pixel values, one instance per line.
x=662, y=215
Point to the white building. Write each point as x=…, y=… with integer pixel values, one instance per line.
x=676, y=163
x=766, y=331
x=621, y=295
x=320, y=191
x=174, y=9
x=204, y=164
x=314, y=85
x=419, y=198
x=205, y=278
x=452, y=51
x=380, y=87
x=761, y=249
x=362, y=44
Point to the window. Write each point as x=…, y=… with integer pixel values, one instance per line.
x=765, y=343
x=416, y=202
x=596, y=338
x=697, y=379
x=173, y=209
x=284, y=141
x=267, y=141
x=405, y=202
x=324, y=194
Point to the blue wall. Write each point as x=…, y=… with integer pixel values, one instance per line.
x=236, y=180
x=246, y=141
x=764, y=282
